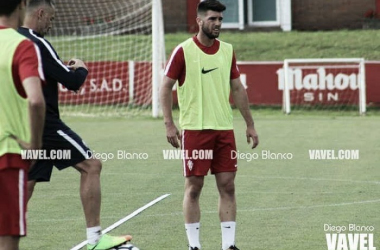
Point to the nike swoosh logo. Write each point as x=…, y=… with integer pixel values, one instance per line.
x=207, y=71
x=228, y=227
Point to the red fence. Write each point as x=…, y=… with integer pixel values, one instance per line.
x=108, y=83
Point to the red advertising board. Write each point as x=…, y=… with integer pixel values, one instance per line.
x=322, y=85
x=108, y=83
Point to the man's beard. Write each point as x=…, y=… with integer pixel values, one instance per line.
x=209, y=34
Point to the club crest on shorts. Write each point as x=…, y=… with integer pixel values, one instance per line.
x=190, y=165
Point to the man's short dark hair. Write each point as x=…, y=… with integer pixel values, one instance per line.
x=35, y=3
x=213, y=5
x=7, y=7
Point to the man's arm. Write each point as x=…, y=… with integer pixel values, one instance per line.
x=54, y=68
x=32, y=87
x=166, y=99
x=240, y=98
x=27, y=72
x=71, y=79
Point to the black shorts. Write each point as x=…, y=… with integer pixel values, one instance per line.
x=59, y=137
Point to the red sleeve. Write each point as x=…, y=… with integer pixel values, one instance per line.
x=26, y=63
x=176, y=67
x=235, y=73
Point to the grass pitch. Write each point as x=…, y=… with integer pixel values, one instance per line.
x=282, y=204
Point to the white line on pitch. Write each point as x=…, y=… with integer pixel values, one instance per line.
x=123, y=220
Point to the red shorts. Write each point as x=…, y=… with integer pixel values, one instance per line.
x=205, y=150
x=13, y=197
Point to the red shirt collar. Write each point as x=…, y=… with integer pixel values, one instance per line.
x=208, y=50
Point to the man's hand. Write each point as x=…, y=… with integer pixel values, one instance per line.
x=76, y=63
x=173, y=135
x=251, y=133
x=27, y=146
x=21, y=143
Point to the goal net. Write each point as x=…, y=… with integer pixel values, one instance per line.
x=122, y=43
x=324, y=84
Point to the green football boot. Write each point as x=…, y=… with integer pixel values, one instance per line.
x=107, y=242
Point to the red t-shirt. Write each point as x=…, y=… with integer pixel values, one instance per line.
x=176, y=67
x=26, y=63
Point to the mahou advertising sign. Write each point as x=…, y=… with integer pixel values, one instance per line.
x=321, y=85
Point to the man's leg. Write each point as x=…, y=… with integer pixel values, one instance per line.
x=90, y=191
x=191, y=209
x=12, y=207
x=9, y=242
x=90, y=194
x=40, y=171
x=31, y=184
x=227, y=207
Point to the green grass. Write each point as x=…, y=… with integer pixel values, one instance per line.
x=249, y=46
x=277, y=46
x=282, y=204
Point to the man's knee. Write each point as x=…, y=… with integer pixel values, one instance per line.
x=90, y=166
x=194, y=192
x=227, y=187
x=194, y=187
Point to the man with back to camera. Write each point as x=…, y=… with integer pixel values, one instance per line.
x=57, y=135
x=22, y=112
x=206, y=70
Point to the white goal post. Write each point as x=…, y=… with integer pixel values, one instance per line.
x=324, y=82
x=158, y=54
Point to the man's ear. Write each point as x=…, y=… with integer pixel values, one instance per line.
x=22, y=5
x=199, y=21
x=40, y=13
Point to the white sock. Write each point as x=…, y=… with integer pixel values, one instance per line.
x=192, y=231
x=93, y=234
x=228, y=234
